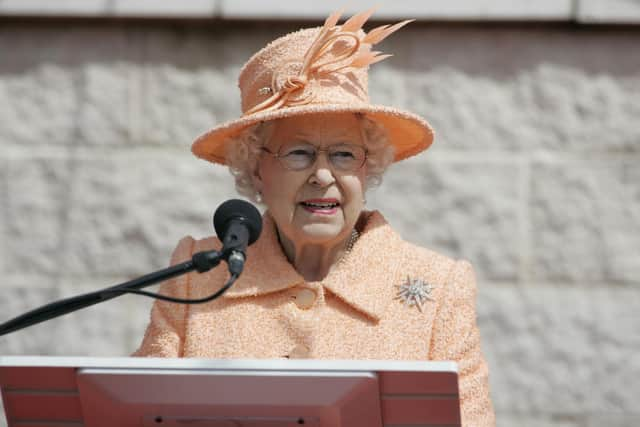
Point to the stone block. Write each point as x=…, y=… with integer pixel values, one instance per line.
x=421, y=9
x=585, y=221
x=223, y=49
x=130, y=208
x=68, y=92
x=286, y=9
x=167, y=8
x=44, y=8
x=181, y=105
x=99, y=330
x=465, y=209
x=589, y=419
x=466, y=111
x=37, y=339
x=506, y=419
x=608, y=11
x=39, y=104
x=4, y=214
x=108, y=8
x=108, y=105
x=36, y=203
x=547, y=107
x=388, y=87
x=507, y=54
x=196, y=89
x=109, y=86
x=615, y=419
x=561, y=350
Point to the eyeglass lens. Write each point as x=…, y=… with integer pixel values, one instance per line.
x=345, y=157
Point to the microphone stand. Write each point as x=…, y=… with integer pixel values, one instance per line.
x=201, y=261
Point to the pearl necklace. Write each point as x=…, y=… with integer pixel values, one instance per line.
x=352, y=240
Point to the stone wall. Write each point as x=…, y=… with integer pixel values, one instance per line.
x=533, y=177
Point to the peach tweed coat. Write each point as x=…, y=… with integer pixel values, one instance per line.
x=271, y=312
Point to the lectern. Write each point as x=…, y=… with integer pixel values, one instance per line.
x=110, y=392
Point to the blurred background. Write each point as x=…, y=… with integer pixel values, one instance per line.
x=534, y=176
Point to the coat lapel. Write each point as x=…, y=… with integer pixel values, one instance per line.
x=364, y=279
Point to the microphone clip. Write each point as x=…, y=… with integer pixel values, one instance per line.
x=235, y=262
x=206, y=260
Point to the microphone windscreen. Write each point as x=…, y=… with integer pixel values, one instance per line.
x=243, y=211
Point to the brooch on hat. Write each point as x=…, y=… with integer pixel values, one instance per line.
x=414, y=292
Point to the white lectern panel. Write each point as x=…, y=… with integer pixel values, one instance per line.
x=97, y=392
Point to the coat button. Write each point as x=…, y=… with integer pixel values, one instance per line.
x=300, y=351
x=305, y=298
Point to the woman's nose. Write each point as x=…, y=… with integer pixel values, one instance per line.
x=322, y=174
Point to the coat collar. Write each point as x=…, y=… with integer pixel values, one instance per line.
x=364, y=278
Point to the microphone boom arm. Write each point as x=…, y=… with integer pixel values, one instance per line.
x=201, y=261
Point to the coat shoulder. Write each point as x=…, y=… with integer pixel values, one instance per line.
x=426, y=264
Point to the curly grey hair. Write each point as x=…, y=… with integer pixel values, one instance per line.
x=244, y=151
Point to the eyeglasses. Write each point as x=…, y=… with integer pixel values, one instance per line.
x=342, y=157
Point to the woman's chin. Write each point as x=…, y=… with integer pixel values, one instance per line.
x=320, y=232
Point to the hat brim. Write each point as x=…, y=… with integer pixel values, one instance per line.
x=408, y=133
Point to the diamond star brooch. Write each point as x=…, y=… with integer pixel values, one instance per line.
x=414, y=292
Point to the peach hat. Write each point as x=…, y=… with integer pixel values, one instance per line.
x=317, y=70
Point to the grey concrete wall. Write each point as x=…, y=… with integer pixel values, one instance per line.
x=533, y=177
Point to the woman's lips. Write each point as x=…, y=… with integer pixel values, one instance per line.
x=321, y=206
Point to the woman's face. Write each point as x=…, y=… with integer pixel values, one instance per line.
x=321, y=203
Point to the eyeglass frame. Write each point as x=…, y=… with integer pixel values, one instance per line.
x=278, y=156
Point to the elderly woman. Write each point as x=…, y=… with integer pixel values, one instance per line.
x=326, y=279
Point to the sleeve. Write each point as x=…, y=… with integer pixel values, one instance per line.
x=164, y=336
x=456, y=337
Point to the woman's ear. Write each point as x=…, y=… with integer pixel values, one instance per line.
x=256, y=179
x=263, y=132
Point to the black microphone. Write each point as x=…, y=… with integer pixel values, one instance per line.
x=237, y=224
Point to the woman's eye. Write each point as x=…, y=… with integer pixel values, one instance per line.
x=299, y=151
x=344, y=154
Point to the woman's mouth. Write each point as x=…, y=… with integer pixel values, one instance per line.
x=321, y=206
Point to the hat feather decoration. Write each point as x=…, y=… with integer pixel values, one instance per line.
x=355, y=55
